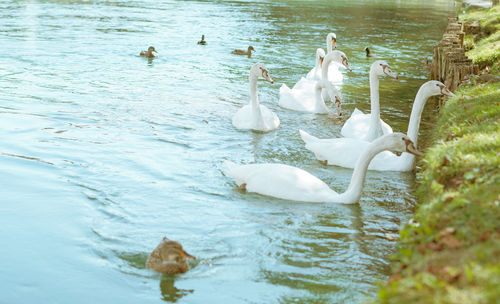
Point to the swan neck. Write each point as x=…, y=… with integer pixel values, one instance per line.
x=329, y=46
x=353, y=192
x=320, y=104
x=254, y=97
x=324, y=67
x=375, y=129
x=416, y=115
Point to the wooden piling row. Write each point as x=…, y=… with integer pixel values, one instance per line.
x=449, y=63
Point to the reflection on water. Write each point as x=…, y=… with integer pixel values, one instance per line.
x=103, y=152
x=169, y=292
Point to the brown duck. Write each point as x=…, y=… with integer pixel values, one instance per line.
x=149, y=52
x=168, y=257
x=243, y=52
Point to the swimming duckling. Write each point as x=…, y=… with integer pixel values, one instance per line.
x=168, y=257
x=368, y=53
x=243, y=52
x=149, y=52
x=202, y=41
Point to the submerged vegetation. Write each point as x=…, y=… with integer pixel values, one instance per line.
x=450, y=251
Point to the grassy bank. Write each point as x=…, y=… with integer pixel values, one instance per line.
x=450, y=253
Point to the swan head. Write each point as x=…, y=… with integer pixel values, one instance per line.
x=152, y=49
x=320, y=55
x=434, y=87
x=397, y=143
x=259, y=70
x=339, y=57
x=332, y=38
x=381, y=67
x=334, y=94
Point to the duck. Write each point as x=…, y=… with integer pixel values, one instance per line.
x=368, y=54
x=344, y=152
x=315, y=73
x=168, y=257
x=148, y=53
x=369, y=126
x=243, y=52
x=294, y=184
x=306, y=95
x=202, y=41
x=255, y=116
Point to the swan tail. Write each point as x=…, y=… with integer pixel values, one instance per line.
x=230, y=167
x=307, y=138
x=284, y=89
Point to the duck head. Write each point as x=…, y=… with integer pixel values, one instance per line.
x=250, y=49
x=151, y=49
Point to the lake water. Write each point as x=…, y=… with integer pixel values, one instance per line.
x=102, y=152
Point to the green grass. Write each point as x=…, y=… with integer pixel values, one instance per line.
x=484, y=49
x=451, y=253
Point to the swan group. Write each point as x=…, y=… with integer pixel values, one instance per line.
x=368, y=143
x=306, y=95
x=345, y=152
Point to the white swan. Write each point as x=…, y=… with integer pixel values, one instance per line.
x=315, y=73
x=303, y=96
x=369, y=126
x=255, y=116
x=291, y=183
x=306, y=103
x=345, y=152
x=334, y=74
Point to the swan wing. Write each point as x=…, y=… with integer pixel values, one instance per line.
x=242, y=120
x=345, y=152
x=300, y=98
x=271, y=120
x=280, y=181
x=357, y=125
x=334, y=73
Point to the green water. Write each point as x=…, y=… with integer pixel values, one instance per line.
x=102, y=153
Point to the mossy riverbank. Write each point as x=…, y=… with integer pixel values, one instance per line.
x=450, y=250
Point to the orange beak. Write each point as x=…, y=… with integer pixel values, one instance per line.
x=184, y=254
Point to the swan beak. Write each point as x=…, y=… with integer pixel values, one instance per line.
x=339, y=105
x=447, y=92
x=391, y=74
x=334, y=42
x=184, y=254
x=268, y=78
x=410, y=148
x=321, y=61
